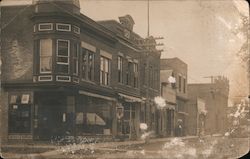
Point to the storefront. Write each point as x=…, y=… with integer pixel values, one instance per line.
x=95, y=115
x=128, y=125
x=20, y=115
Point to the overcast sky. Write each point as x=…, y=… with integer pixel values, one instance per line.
x=199, y=32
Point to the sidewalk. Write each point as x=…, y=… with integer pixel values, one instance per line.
x=57, y=150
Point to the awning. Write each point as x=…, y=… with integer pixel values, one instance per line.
x=169, y=106
x=128, y=98
x=94, y=119
x=96, y=95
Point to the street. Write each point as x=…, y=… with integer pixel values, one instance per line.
x=169, y=148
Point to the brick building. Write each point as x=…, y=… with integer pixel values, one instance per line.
x=63, y=73
x=177, y=69
x=215, y=96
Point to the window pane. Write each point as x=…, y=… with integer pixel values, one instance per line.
x=63, y=48
x=106, y=65
x=62, y=68
x=102, y=64
x=45, y=47
x=62, y=59
x=45, y=64
x=45, y=26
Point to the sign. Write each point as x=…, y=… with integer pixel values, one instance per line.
x=119, y=111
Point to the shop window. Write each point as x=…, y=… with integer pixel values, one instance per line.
x=45, y=55
x=20, y=114
x=63, y=47
x=45, y=26
x=63, y=27
x=95, y=117
x=120, y=69
x=104, y=71
x=87, y=64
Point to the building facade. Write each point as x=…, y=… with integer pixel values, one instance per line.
x=63, y=73
x=177, y=69
x=215, y=96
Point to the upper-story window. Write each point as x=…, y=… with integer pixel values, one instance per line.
x=45, y=26
x=105, y=70
x=76, y=29
x=184, y=85
x=45, y=55
x=179, y=82
x=63, y=52
x=87, y=64
x=120, y=68
x=136, y=75
x=63, y=27
x=75, y=58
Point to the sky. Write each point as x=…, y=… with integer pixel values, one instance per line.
x=199, y=32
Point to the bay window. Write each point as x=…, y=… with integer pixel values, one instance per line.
x=75, y=58
x=63, y=52
x=104, y=71
x=45, y=55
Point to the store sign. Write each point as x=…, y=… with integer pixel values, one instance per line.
x=119, y=111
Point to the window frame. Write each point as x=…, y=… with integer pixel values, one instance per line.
x=63, y=24
x=63, y=63
x=77, y=28
x=51, y=56
x=85, y=75
x=39, y=26
x=120, y=69
x=104, y=74
x=75, y=59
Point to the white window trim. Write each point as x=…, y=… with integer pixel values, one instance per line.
x=63, y=63
x=43, y=72
x=57, y=24
x=39, y=78
x=69, y=78
x=79, y=30
x=77, y=66
x=39, y=29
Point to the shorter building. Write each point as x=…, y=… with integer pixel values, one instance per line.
x=177, y=70
x=197, y=116
x=215, y=96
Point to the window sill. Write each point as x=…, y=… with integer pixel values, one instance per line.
x=106, y=86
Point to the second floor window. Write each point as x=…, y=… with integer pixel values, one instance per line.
x=75, y=58
x=104, y=71
x=63, y=56
x=87, y=64
x=120, y=68
x=136, y=75
x=45, y=55
x=180, y=83
x=184, y=85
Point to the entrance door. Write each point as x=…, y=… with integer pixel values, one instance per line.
x=50, y=118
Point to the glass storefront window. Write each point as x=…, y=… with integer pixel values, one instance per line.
x=93, y=116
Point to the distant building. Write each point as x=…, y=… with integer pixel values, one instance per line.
x=63, y=73
x=178, y=70
x=196, y=120
x=215, y=95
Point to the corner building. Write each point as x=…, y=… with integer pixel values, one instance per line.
x=63, y=73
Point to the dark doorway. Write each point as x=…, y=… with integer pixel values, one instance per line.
x=51, y=117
